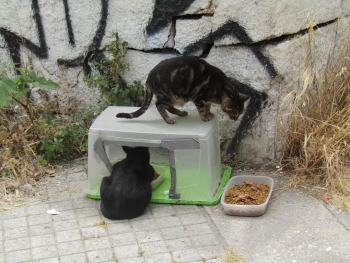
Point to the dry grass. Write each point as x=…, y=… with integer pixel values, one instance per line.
x=18, y=148
x=231, y=256
x=316, y=130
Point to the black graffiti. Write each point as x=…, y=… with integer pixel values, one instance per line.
x=69, y=23
x=256, y=104
x=232, y=28
x=83, y=60
x=163, y=13
x=14, y=42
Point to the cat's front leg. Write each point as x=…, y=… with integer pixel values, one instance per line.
x=204, y=110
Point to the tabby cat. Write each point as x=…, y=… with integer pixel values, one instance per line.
x=176, y=81
x=126, y=193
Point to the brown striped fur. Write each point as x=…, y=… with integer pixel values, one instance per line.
x=176, y=81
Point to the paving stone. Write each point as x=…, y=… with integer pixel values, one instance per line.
x=159, y=258
x=211, y=252
x=74, y=258
x=39, y=219
x=192, y=218
x=198, y=229
x=179, y=243
x=86, y=212
x=65, y=225
x=14, y=213
x=174, y=232
x=100, y=255
x=18, y=256
x=132, y=260
x=44, y=229
x=85, y=202
x=71, y=247
x=129, y=251
x=213, y=260
x=162, y=210
x=47, y=260
x=204, y=240
x=68, y=235
x=141, y=225
x=89, y=221
x=64, y=215
x=97, y=243
x=37, y=209
x=44, y=252
x=185, y=209
x=187, y=255
x=148, y=236
x=93, y=231
x=42, y=240
x=13, y=233
x=11, y=223
x=154, y=247
x=16, y=244
x=123, y=239
x=167, y=221
x=62, y=205
x=115, y=227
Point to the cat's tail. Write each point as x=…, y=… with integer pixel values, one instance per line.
x=144, y=107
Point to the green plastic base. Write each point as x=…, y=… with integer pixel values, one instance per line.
x=158, y=195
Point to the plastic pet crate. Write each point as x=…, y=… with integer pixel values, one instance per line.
x=189, y=151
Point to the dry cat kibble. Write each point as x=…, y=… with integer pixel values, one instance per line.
x=248, y=193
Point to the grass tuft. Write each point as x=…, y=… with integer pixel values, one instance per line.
x=315, y=132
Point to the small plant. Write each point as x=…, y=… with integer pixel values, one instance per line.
x=141, y=252
x=65, y=141
x=113, y=90
x=19, y=88
x=35, y=134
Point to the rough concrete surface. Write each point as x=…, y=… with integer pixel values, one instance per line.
x=295, y=228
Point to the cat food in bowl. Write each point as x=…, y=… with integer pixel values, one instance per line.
x=247, y=195
x=158, y=176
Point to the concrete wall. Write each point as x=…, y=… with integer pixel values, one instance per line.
x=260, y=45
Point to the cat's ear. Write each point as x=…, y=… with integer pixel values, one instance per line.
x=125, y=149
x=243, y=97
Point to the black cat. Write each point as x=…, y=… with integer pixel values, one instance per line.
x=126, y=193
x=176, y=81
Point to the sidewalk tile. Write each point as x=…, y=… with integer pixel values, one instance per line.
x=129, y=251
x=68, y=235
x=148, y=236
x=100, y=255
x=70, y=248
x=96, y=243
x=122, y=239
x=74, y=258
x=159, y=258
x=18, y=256
x=43, y=240
x=154, y=247
x=187, y=255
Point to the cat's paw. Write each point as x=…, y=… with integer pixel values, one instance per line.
x=207, y=117
x=183, y=113
x=170, y=121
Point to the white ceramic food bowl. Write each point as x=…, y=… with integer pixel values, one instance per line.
x=161, y=171
x=246, y=210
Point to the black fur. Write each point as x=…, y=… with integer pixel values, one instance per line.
x=126, y=193
x=178, y=80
